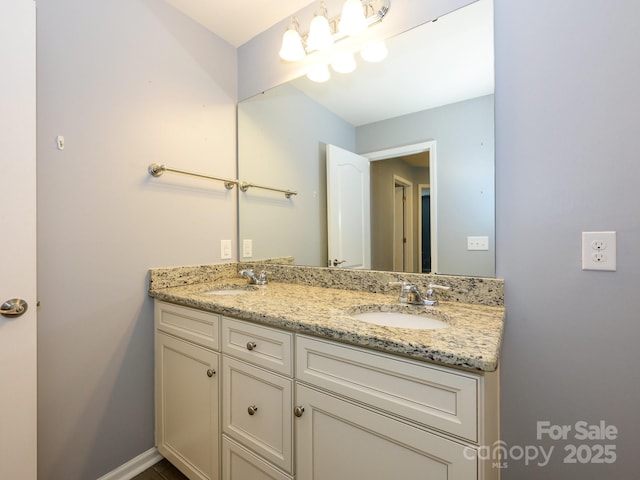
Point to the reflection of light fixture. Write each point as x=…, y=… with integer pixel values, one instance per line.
x=292, y=49
x=374, y=52
x=343, y=63
x=353, y=22
x=357, y=15
x=319, y=73
x=320, y=36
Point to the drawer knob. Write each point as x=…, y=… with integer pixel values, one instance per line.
x=252, y=409
x=211, y=372
x=251, y=345
x=298, y=411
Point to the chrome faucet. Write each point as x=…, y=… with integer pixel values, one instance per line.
x=259, y=279
x=410, y=294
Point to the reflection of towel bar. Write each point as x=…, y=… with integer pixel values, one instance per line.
x=244, y=186
x=156, y=170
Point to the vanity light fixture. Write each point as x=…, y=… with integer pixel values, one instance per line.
x=374, y=52
x=320, y=35
x=292, y=49
x=357, y=16
x=343, y=63
x=319, y=73
x=353, y=21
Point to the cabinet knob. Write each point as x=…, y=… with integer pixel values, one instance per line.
x=252, y=409
x=251, y=345
x=298, y=411
x=211, y=372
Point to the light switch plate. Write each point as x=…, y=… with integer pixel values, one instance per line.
x=247, y=248
x=225, y=249
x=599, y=251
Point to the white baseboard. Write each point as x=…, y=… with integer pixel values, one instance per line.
x=134, y=466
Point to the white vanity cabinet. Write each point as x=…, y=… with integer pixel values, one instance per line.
x=187, y=389
x=257, y=401
x=296, y=406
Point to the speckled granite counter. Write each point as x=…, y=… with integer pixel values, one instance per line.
x=472, y=342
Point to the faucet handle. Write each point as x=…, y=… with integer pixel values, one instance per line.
x=430, y=295
x=406, y=289
x=404, y=284
x=262, y=277
x=432, y=286
x=259, y=279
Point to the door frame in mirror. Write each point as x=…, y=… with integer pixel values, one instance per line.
x=427, y=146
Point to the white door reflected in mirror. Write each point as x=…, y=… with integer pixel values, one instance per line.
x=348, y=208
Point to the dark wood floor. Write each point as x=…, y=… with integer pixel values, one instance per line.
x=162, y=470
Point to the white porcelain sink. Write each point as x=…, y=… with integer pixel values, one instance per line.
x=230, y=291
x=401, y=320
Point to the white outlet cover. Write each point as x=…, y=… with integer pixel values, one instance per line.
x=599, y=251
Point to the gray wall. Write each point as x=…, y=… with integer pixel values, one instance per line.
x=128, y=83
x=464, y=135
x=281, y=143
x=566, y=162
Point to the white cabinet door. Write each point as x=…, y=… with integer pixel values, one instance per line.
x=187, y=425
x=339, y=440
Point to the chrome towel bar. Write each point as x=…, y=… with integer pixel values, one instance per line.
x=244, y=186
x=156, y=170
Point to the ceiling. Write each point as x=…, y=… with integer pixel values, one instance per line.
x=238, y=21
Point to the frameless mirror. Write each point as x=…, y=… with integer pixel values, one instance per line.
x=423, y=120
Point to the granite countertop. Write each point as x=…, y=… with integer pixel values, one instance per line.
x=472, y=342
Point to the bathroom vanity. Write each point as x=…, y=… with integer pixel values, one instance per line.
x=282, y=382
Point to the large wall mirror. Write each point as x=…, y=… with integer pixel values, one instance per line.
x=423, y=120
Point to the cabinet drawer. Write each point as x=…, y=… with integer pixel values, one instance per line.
x=238, y=463
x=263, y=346
x=188, y=323
x=421, y=393
x=257, y=408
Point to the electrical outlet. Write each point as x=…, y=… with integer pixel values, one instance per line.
x=225, y=249
x=247, y=248
x=599, y=251
x=477, y=243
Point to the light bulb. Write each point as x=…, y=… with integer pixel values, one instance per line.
x=343, y=63
x=374, y=52
x=292, y=49
x=319, y=33
x=353, y=21
x=319, y=73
